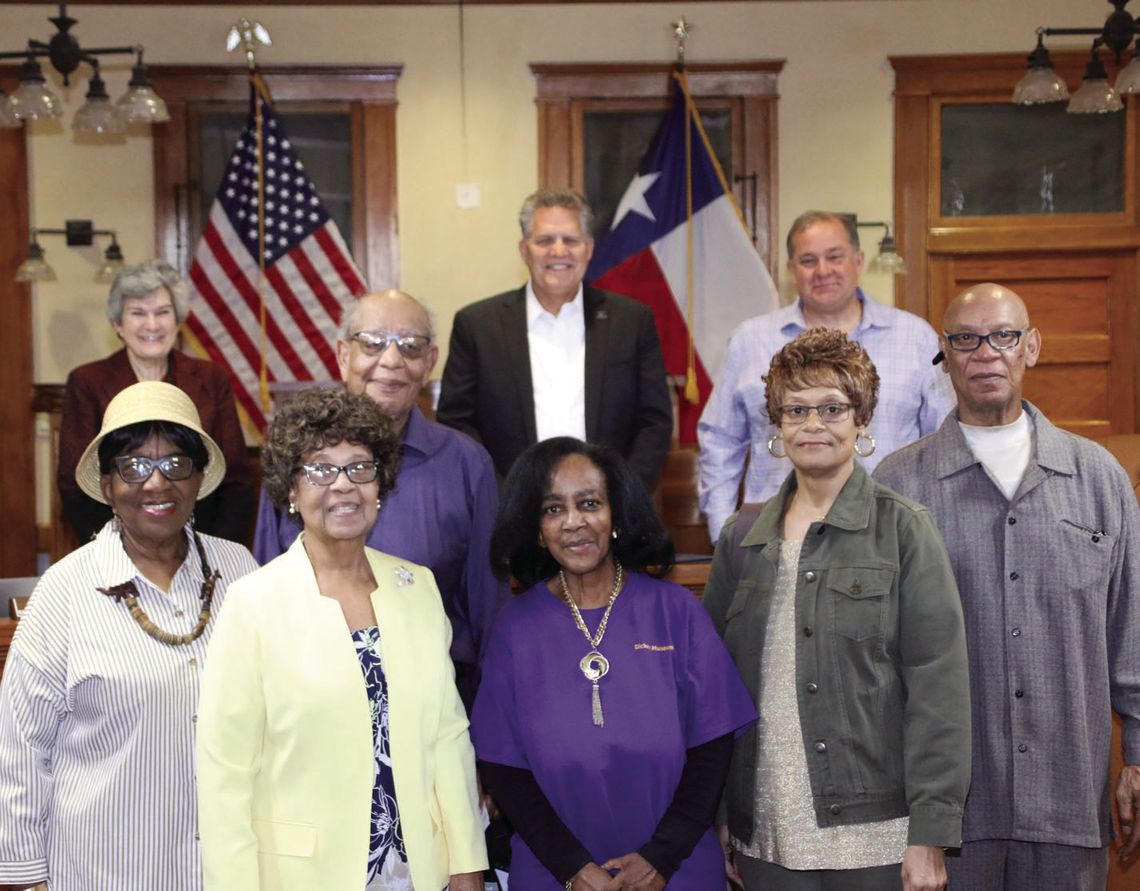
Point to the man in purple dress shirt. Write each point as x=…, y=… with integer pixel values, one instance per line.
x=442, y=509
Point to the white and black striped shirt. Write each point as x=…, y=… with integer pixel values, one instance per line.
x=97, y=726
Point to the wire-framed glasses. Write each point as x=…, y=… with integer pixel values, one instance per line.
x=325, y=474
x=135, y=469
x=829, y=412
x=374, y=343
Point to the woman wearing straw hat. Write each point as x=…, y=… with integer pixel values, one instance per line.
x=100, y=690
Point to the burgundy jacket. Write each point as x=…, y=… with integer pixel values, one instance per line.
x=228, y=512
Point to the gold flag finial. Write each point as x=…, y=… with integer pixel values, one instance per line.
x=681, y=29
x=247, y=35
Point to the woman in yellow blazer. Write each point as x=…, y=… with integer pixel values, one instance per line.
x=333, y=750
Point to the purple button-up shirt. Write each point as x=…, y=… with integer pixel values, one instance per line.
x=440, y=514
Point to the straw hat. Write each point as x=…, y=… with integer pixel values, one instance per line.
x=149, y=401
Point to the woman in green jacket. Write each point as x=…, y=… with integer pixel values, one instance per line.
x=838, y=604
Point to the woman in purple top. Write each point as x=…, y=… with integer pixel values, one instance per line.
x=605, y=720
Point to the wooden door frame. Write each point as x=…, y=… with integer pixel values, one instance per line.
x=17, y=423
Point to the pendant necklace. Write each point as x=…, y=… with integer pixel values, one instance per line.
x=594, y=665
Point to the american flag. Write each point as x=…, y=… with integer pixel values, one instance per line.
x=280, y=326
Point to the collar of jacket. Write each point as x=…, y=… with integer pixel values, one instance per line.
x=1052, y=450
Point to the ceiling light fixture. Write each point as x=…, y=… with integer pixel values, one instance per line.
x=33, y=100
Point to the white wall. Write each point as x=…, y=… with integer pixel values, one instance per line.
x=835, y=116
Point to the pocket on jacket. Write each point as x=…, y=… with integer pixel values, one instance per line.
x=289, y=839
x=859, y=598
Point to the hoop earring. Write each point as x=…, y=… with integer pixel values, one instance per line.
x=870, y=451
x=772, y=440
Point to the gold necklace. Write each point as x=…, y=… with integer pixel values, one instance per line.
x=594, y=665
x=128, y=593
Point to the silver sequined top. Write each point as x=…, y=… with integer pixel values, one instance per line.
x=785, y=831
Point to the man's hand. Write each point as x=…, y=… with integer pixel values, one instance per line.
x=1128, y=807
x=923, y=868
x=635, y=873
x=731, y=872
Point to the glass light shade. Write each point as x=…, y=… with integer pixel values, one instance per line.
x=33, y=101
x=35, y=269
x=8, y=119
x=140, y=102
x=112, y=264
x=1128, y=81
x=1096, y=96
x=97, y=114
x=1040, y=85
x=888, y=259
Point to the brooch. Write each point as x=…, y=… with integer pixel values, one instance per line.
x=404, y=577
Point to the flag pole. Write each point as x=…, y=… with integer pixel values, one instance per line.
x=681, y=34
x=247, y=34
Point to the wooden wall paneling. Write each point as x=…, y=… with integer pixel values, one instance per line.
x=17, y=434
x=912, y=155
x=377, y=158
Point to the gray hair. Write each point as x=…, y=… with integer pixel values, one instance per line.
x=567, y=199
x=847, y=221
x=348, y=323
x=135, y=282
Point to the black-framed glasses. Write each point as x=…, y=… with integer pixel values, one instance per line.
x=326, y=474
x=829, y=412
x=374, y=343
x=135, y=469
x=968, y=341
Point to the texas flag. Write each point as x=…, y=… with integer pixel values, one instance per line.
x=678, y=244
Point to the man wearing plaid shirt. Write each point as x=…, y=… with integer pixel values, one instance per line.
x=825, y=262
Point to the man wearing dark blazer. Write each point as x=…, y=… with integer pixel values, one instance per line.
x=555, y=358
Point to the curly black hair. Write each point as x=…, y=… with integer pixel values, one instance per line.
x=642, y=543
x=319, y=417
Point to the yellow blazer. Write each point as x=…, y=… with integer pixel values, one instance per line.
x=285, y=754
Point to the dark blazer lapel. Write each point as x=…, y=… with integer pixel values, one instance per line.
x=597, y=320
x=516, y=353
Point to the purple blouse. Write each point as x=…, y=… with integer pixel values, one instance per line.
x=671, y=686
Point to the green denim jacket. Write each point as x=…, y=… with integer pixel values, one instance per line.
x=881, y=671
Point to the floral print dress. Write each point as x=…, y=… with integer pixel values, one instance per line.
x=387, y=858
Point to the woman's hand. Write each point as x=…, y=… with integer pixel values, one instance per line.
x=923, y=868
x=636, y=873
x=592, y=877
x=466, y=881
x=730, y=871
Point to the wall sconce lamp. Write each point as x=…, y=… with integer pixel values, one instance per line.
x=888, y=259
x=79, y=233
x=32, y=100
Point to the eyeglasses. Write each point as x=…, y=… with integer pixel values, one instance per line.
x=829, y=412
x=374, y=343
x=326, y=474
x=967, y=341
x=135, y=469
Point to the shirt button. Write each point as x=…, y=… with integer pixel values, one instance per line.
x=835, y=809
x=193, y=660
x=179, y=612
x=1018, y=693
x=1023, y=748
x=821, y=746
x=1013, y=576
x=812, y=688
x=808, y=632
x=809, y=576
x=1012, y=521
x=1016, y=632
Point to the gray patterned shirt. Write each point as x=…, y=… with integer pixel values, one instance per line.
x=1048, y=584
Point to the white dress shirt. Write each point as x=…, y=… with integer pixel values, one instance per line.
x=557, y=346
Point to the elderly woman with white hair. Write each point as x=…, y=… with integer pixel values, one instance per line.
x=146, y=305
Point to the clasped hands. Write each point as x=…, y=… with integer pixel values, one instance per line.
x=630, y=872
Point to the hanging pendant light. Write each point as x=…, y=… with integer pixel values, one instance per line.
x=33, y=101
x=98, y=114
